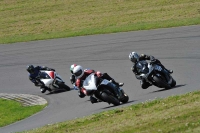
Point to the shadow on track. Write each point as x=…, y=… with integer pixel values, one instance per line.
x=177, y=86
x=119, y=105
x=58, y=91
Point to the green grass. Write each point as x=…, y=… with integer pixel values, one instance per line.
x=175, y=114
x=26, y=20
x=12, y=111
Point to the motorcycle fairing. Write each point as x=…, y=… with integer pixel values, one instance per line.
x=147, y=71
x=142, y=67
x=52, y=74
x=49, y=78
x=90, y=82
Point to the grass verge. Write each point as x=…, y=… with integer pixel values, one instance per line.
x=26, y=20
x=173, y=114
x=12, y=111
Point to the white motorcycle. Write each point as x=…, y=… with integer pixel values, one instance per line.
x=104, y=90
x=52, y=81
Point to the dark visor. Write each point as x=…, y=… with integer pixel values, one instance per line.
x=78, y=73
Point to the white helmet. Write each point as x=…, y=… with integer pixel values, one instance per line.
x=72, y=67
x=78, y=71
x=134, y=57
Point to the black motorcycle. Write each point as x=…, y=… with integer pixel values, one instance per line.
x=155, y=74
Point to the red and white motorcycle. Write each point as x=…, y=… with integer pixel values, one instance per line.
x=52, y=80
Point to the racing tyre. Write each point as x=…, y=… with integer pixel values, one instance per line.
x=110, y=98
x=161, y=82
x=173, y=83
x=43, y=90
x=125, y=99
x=64, y=86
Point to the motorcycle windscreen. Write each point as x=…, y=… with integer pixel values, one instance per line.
x=44, y=75
x=142, y=67
x=90, y=82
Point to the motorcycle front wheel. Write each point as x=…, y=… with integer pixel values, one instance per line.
x=173, y=83
x=63, y=85
x=161, y=82
x=110, y=99
x=125, y=97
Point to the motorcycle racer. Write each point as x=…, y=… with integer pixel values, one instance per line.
x=81, y=75
x=33, y=74
x=72, y=78
x=134, y=58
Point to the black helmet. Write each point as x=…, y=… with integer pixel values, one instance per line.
x=30, y=69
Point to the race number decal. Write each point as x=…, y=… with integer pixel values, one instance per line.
x=158, y=68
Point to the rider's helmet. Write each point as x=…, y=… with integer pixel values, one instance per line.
x=134, y=57
x=72, y=68
x=30, y=69
x=78, y=71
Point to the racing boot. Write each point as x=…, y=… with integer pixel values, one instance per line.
x=170, y=71
x=94, y=100
x=120, y=84
x=106, y=76
x=117, y=83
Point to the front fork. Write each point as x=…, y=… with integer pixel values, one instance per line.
x=117, y=90
x=167, y=76
x=55, y=82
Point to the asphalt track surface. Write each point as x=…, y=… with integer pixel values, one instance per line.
x=177, y=48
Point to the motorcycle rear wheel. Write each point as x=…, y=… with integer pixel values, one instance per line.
x=161, y=82
x=110, y=99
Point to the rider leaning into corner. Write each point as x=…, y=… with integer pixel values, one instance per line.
x=80, y=75
x=73, y=78
x=34, y=73
x=134, y=58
